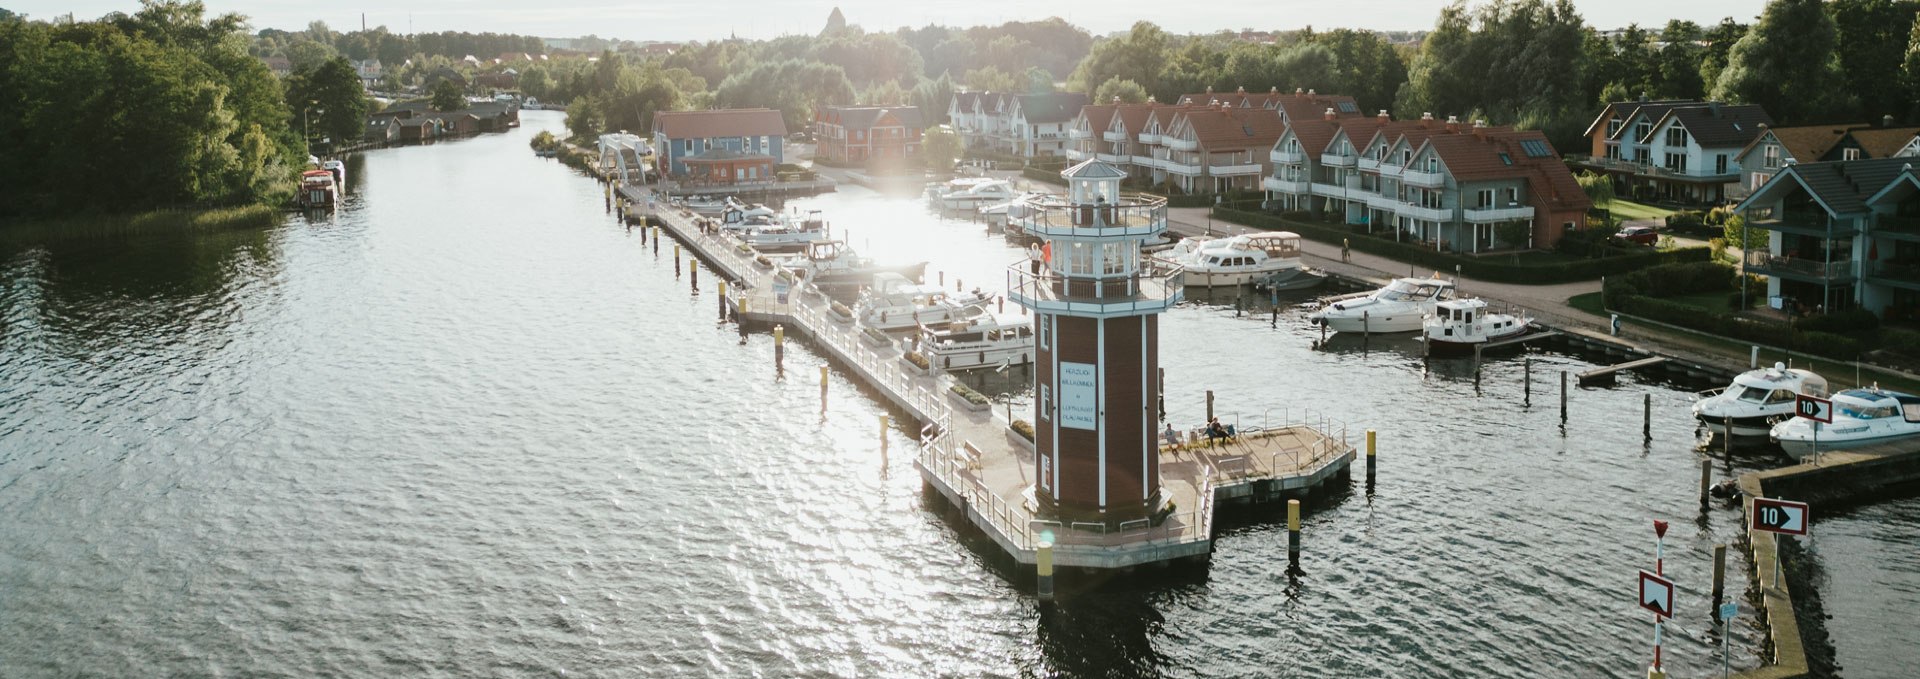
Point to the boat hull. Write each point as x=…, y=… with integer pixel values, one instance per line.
x=1388, y=323
x=974, y=358
x=854, y=278
x=1801, y=448
x=1442, y=347
x=1751, y=425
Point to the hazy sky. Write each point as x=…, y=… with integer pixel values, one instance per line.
x=707, y=19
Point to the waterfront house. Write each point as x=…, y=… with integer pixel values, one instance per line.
x=1213, y=149
x=1086, y=131
x=504, y=80
x=855, y=134
x=279, y=65
x=1779, y=147
x=1025, y=125
x=381, y=130
x=1840, y=235
x=720, y=146
x=416, y=120
x=1675, y=150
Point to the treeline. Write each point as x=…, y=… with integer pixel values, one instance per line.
x=311, y=47
x=161, y=108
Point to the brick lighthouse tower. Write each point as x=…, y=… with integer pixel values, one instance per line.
x=1096, y=305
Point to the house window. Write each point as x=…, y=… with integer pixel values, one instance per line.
x=763, y=144
x=1484, y=198
x=1677, y=162
x=1433, y=164
x=1759, y=180
x=1849, y=154
x=1045, y=323
x=1513, y=195
x=1772, y=156
x=1046, y=401
x=1676, y=136
x=1641, y=130
x=1613, y=127
x=1406, y=158
x=1720, y=164
x=706, y=144
x=689, y=146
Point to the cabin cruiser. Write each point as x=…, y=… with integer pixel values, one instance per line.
x=1271, y=258
x=977, y=338
x=716, y=207
x=1399, y=307
x=832, y=264
x=1861, y=417
x=781, y=233
x=999, y=215
x=956, y=185
x=979, y=193
x=531, y=104
x=897, y=303
x=1457, y=326
x=339, y=170
x=1757, y=399
x=317, y=189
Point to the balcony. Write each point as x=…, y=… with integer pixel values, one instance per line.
x=1130, y=217
x=1385, y=203
x=1180, y=144
x=1145, y=161
x=1390, y=170
x=1898, y=271
x=1909, y=224
x=1077, y=155
x=1431, y=180
x=1648, y=169
x=1157, y=287
x=1178, y=167
x=1331, y=160
x=1326, y=190
x=1079, y=134
x=1288, y=157
x=1804, y=221
x=1150, y=139
x=1499, y=214
x=1368, y=165
x=1115, y=137
x=1431, y=214
x=1114, y=158
x=1221, y=168
x=1296, y=187
x=1816, y=268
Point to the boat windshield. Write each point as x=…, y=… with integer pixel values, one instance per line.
x=1766, y=396
x=1403, y=292
x=1867, y=413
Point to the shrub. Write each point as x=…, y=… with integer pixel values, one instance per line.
x=1685, y=222
x=917, y=360
x=966, y=392
x=877, y=336
x=840, y=310
x=1856, y=322
x=1025, y=428
x=1898, y=341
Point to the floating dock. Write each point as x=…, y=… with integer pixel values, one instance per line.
x=974, y=458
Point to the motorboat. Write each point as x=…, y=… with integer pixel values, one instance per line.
x=1271, y=258
x=980, y=193
x=1456, y=326
x=999, y=215
x=1861, y=417
x=781, y=233
x=1399, y=307
x=1757, y=399
x=717, y=207
x=532, y=104
x=317, y=190
x=977, y=338
x=339, y=170
x=937, y=190
x=831, y=264
x=897, y=303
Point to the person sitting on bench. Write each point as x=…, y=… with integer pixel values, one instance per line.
x=1173, y=437
x=1216, y=430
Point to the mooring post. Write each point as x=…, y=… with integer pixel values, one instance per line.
x=1646, y=419
x=1293, y=534
x=883, y=433
x=943, y=279
x=1726, y=438
x=656, y=241
x=779, y=344
x=1706, y=481
x=1563, y=397
x=1719, y=575
x=693, y=272
x=1239, y=304
x=823, y=389
x=1043, y=567
x=958, y=284
x=1753, y=360
x=1371, y=457
x=723, y=299
x=1527, y=393
x=1209, y=406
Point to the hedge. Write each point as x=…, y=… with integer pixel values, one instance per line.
x=1633, y=293
x=1039, y=175
x=1486, y=269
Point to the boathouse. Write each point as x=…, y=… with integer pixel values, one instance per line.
x=750, y=143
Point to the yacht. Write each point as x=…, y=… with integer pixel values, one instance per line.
x=1268, y=258
x=897, y=303
x=980, y=193
x=338, y=169
x=718, y=207
x=999, y=215
x=956, y=185
x=831, y=264
x=977, y=338
x=1399, y=307
x=1457, y=326
x=1757, y=399
x=781, y=233
x=531, y=104
x=1861, y=417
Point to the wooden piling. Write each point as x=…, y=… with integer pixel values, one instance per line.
x=693, y=272
x=823, y=389
x=1293, y=534
x=1527, y=393
x=883, y=433
x=1646, y=419
x=1371, y=457
x=1563, y=397
x=1706, y=481
x=779, y=344
x=1043, y=569
x=1209, y=406
x=1719, y=577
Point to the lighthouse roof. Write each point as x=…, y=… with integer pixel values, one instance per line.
x=1093, y=168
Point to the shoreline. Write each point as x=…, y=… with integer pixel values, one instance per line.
x=153, y=221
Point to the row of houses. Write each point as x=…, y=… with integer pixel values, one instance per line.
x=858, y=134
x=417, y=121
x=1841, y=234
x=1024, y=125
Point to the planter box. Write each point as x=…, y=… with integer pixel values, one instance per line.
x=1019, y=441
x=914, y=369
x=964, y=404
x=875, y=343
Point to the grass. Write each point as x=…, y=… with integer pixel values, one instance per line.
x=100, y=226
x=1623, y=209
x=1838, y=373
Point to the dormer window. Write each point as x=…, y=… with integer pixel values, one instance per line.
x=1642, y=129
x=1613, y=127
x=1676, y=136
x=1771, y=156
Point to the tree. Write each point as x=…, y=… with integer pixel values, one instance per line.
x=940, y=148
x=306, y=55
x=1039, y=81
x=1141, y=56
x=992, y=79
x=584, y=117
x=1870, y=57
x=1539, y=48
x=336, y=97
x=447, y=97
x=1785, y=63
x=1910, y=72
x=1598, y=187
x=1126, y=91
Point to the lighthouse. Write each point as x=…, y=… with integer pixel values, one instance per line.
x=1096, y=303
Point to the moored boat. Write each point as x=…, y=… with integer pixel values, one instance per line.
x=1457, y=326
x=1269, y=258
x=896, y=303
x=1861, y=417
x=977, y=194
x=317, y=190
x=831, y=265
x=977, y=338
x=1399, y=307
x=1757, y=399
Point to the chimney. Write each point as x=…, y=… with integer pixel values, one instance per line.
x=1151, y=100
x=1310, y=93
x=1330, y=115
x=1242, y=90
x=1297, y=90
x=1453, y=124
x=1643, y=97
x=1275, y=90
x=1116, y=99
x=1886, y=121
x=1426, y=119
x=1480, y=128
x=1209, y=89
x=1383, y=116
x=1713, y=107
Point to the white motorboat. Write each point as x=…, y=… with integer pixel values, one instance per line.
x=718, y=207
x=781, y=233
x=897, y=303
x=1399, y=307
x=1457, y=326
x=832, y=264
x=339, y=170
x=1757, y=399
x=956, y=185
x=1861, y=417
x=998, y=215
x=981, y=193
x=1270, y=258
x=977, y=338
x=531, y=104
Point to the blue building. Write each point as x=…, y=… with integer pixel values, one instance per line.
x=722, y=147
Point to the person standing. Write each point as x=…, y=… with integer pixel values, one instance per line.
x=1345, y=251
x=1033, y=258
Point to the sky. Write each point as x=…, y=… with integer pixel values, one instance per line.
x=680, y=20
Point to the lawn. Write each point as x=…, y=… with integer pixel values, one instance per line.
x=1623, y=210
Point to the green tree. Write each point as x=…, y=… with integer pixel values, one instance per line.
x=1538, y=48
x=1141, y=56
x=1910, y=72
x=1598, y=187
x=1039, y=81
x=584, y=117
x=338, y=101
x=1720, y=41
x=940, y=148
x=1785, y=63
x=447, y=97
x=1870, y=57
x=992, y=79
x=934, y=97
x=1116, y=88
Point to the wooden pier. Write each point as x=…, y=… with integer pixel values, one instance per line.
x=1605, y=375
x=973, y=457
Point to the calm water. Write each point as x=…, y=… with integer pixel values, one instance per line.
x=471, y=426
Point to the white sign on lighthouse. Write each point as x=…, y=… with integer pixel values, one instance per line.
x=1079, y=403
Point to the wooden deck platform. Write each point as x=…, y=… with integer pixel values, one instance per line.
x=972, y=456
x=1606, y=375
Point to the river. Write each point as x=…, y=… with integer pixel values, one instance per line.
x=472, y=426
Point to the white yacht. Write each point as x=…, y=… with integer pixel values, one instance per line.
x=1269, y=258
x=955, y=185
x=999, y=215
x=1457, y=326
x=1861, y=417
x=782, y=233
x=980, y=193
x=832, y=264
x=718, y=207
x=1399, y=307
x=1757, y=399
x=896, y=303
x=977, y=339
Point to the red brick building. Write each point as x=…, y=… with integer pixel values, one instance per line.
x=856, y=134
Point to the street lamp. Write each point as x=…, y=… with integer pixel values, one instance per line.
x=306, y=134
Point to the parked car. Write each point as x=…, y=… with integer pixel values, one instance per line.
x=1643, y=235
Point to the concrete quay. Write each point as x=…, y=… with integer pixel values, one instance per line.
x=975, y=460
